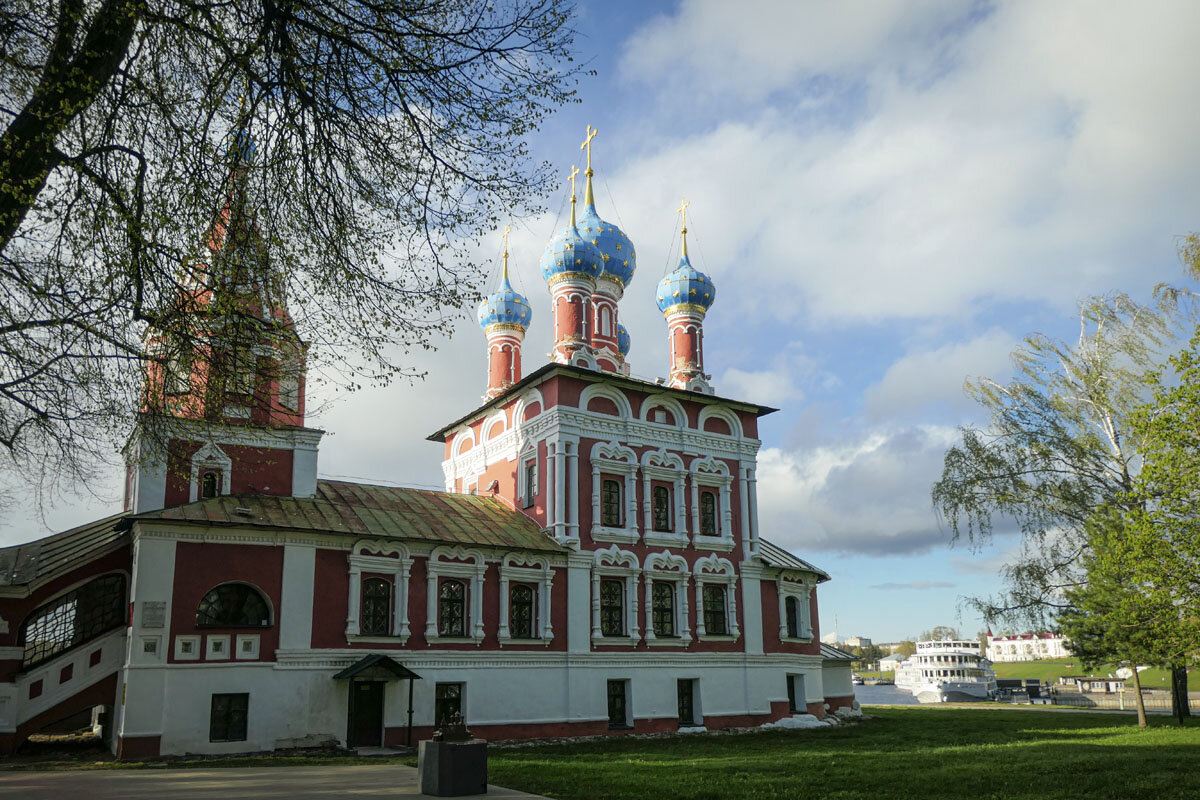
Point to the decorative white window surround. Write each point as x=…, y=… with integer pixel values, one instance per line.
x=612, y=562
x=526, y=493
x=717, y=570
x=246, y=646
x=185, y=653
x=468, y=564
x=613, y=458
x=209, y=457
x=659, y=465
x=380, y=557
x=667, y=566
x=525, y=568
x=216, y=647
x=713, y=474
x=801, y=590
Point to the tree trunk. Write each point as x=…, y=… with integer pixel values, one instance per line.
x=1137, y=695
x=1179, y=693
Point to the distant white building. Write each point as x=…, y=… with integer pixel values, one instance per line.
x=1027, y=647
x=857, y=641
x=889, y=663
x=831, y=638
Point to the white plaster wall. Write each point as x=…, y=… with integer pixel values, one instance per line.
x=836, y=675
x=296, y=605
x=144, y=694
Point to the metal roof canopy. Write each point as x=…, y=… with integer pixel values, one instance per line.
x=376, y=667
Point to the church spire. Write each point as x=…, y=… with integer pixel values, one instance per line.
x=683, y=231
x=571, y=177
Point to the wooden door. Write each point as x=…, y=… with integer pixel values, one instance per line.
x=366, y=713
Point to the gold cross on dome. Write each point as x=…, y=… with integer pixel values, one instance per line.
x=683, y=231
x=507, y=230
x=571, y=178
x=587, y=145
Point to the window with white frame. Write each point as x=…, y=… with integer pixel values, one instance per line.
x=210, y=473
x=795, y=621
x=378, y=604
x=529, y=481
x=465, y=569
x=614, y=596
x=712, y=513
x=716, y=597
x=663, y=490
x=526, y=581
x=666, y=575
x=614, y=493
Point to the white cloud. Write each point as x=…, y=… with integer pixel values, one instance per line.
x=925, y=378
x=867, y=496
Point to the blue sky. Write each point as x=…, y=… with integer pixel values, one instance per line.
x=888, y=196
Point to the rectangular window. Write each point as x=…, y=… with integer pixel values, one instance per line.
x=708, y=513
x=664, y=608
x=447, y=702
x=792, y=605
x=610, y=503
x=715, y=618
x=452, y=609
x=376, y=615
x=530, y=481
x=662, y=508
x=612, y=607
x=227, y=721
x=687, y=714
x=520, y=612
x=617, y=710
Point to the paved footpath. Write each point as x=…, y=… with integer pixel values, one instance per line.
x=352, y=781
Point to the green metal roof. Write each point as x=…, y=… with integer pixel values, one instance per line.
x=360, y=509
x=776, y=556
x=32, y=561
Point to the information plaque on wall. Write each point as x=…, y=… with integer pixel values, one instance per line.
x=154, y=613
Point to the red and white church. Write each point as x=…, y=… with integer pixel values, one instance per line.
x=594, y=565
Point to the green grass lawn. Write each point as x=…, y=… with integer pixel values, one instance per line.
x=1047, y=671
x=901, y=753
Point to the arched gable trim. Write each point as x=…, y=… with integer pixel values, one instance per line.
x=457, y=553
x=670, y=404
x=600, y=390
x=379, y=547
x=713, y=565
x=666, y=561
x=661, y=458
x=461, y=442
x=709, y=466
x=209, y=457
x=530, y=398
x=613, y=451
x=722, y=413
x=490, y=423
x=614, y=556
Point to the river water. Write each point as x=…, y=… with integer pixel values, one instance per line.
x=884, y=695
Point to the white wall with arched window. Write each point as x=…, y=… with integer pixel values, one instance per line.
x=712, y=476
x=379, y=557
x=798, y=591
x=715, y=573
x=211, y=469
x=611, y=460
x=466, y=565
x=659, y=465
x=668, y=568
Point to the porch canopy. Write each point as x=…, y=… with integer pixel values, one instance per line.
x=376, y=667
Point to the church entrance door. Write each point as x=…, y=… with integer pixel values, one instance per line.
x=366, y=714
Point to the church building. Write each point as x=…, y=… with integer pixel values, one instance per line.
x=595, y=564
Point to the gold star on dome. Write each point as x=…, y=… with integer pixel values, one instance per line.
x=596, y=242
x=606, y=258
x=693, y=291
x=579, y=261
x=627, y=262
x=618, y=246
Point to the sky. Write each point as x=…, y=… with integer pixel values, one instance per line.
x=888, y=196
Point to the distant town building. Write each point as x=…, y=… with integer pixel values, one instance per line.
x=857, y=641
x=1026, y=647
x=831, y=638
x=889, y=663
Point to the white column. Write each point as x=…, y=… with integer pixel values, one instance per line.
x=752, y=609
x=551, y=499
x=753, y=513
x=745, y=509
x=680, y=507
x=681, y=593
x=431, y=601
x=595, y=605
x=782, y=608
x=560, y=492
x=726, y=512
x=647, y=504
x=579, y=584
x=503, y=630
x=597, y=520
x=296, y=607
x=352, y=605
x=477, y=604
x=573, y=477
x=631, y=524
x=632, y=603
x=400, y=599
x=695, y=508
x=806, y=612
x=700, y=628
x=544, y=604
x=731, y=593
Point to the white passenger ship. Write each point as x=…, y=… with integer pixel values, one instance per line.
x=947, y=671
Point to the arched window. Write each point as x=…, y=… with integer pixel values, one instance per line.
x=210, y=484
x=233, y=605
x=715, y=618
x=605, y=325
x=520, y=612
x=610, y=504
x=376, y=607
x=664, y=608
x=708, y=513
x=612, y=607
x=452, y=611
x=662, y=508
x=792, y=604
x=72, y=619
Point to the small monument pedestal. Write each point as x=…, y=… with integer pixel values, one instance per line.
x=452, y=763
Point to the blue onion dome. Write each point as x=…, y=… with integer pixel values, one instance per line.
x=685, y=286
x=505, y=307
x=568, y=252
x=623, y=341
x=620, y=259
